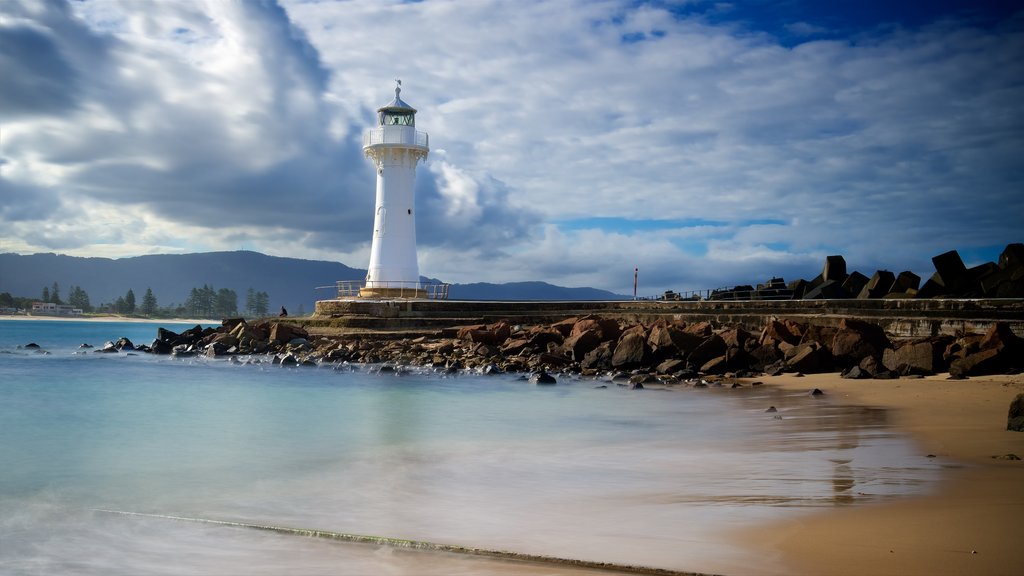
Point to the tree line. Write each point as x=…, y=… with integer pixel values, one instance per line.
x=204, y=302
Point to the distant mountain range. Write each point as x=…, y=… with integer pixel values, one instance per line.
x=290, y=282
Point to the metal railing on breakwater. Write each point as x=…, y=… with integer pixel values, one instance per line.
x=378, y=289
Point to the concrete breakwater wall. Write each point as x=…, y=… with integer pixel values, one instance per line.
x=901, y=318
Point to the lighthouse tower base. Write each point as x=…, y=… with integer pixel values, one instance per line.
x=375, y=292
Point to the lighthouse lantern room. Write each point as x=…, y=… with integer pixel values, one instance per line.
x=395, y=147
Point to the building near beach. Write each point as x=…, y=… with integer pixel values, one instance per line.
x=395, y=147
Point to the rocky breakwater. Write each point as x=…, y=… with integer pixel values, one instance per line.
x=663, y=351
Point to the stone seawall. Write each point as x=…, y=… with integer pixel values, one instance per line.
x=901, y=318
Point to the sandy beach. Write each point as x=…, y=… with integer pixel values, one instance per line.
x=970, y=525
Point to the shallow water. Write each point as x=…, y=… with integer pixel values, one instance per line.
x=657, y=478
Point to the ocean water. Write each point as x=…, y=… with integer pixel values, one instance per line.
x=653, y=477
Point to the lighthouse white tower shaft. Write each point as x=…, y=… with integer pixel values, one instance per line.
x=395, y=147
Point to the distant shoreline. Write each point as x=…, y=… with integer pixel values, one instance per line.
x=109, y=318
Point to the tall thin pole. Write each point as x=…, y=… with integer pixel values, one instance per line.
x=636, y=273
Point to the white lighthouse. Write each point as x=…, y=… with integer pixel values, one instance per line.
x=395, y=147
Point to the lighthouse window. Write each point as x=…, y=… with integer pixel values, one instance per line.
x=398, y=119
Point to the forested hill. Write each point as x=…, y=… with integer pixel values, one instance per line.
x=289, y=282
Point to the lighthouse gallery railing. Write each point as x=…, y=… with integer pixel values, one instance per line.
x=396, y=135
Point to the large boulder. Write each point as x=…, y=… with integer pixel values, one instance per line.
x=282, y=333
x=835, y=269
x=668, y=340
x=599, y=358
x=952, y=272
x=712, y=347
x=776, y=332
x=999, y=351
x=879, y=285
x=906, y=283
x=854, y=283
x=576, y=346
x=606, y=328
x=631, y=351
x=809, y=358
x=856, y=340
x=921, y=356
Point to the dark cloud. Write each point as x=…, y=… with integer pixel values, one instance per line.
x=37, y=78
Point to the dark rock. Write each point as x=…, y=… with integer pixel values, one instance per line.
x=108, y=348
x=541, y=338
x=921, y=356
x=1010, y=456
x=835, y=269
x=716, y=365
x=978, y=364
x=636, y=385
x=763, y=356
x=952, y=272
x=776, y=368
x=856, y=340
x=932, y=288
x=1015, y=418
x=772, y=409
x=1012, y=256
x=816, y=392
x=829, y=289
x=671, y=366
x=798, y=287
x=879, y=285
x=85, y=345
x=542, y=378
x=31, y=346
x=855, y=373
x=854, y=283
x=906, y=282
x=809, y=358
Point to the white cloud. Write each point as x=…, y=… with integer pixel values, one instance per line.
x=237, y=123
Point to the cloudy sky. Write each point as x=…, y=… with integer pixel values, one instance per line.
x=707, y=143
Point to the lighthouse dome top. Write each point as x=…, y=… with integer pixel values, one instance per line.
x=397, y=112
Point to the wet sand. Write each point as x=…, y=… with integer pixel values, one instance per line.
x=970, y=525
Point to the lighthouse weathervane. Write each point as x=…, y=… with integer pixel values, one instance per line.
x=395, y=147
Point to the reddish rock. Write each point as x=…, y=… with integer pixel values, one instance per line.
x=540, y=339
x=606, y=328
x=700, y=329
x=712, y=347
x=565, y=327
x=283, y=333
x=776, y=332
x=599, y=358
x=809, y=358
x=717, y=365
x=735, y=337
x=631, y=351
x=578, y=345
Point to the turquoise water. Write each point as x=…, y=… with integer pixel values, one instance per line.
x=647, y=477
